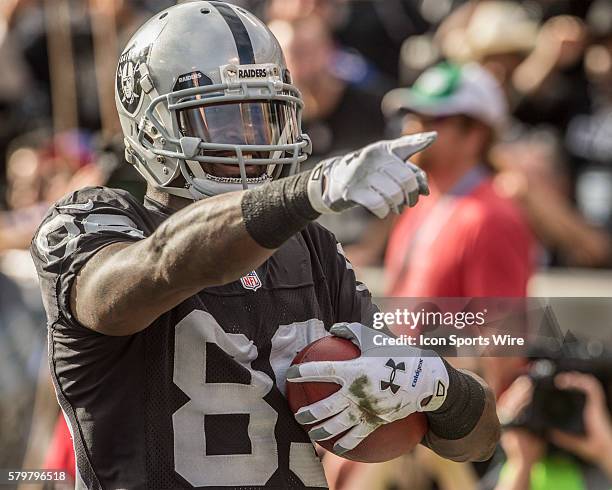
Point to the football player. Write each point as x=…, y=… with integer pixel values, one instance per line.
x=172, y=324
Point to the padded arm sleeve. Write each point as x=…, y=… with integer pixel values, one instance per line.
x=465, y=427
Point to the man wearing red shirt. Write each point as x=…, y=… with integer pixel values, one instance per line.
x=464, y=240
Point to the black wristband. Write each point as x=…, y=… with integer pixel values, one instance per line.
x=273, y=213
x=462, y=409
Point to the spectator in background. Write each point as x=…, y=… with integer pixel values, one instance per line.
x=334, y=108
x=531, y=462
x=541, y=71
x=60, y=454
x=498, y=35
x=292, y=10
x=531, y=173
x=21, y=347
x=339, y=116
x=465, y=240
x=588, y=139
x=550, y=85
x=24, y=199
x=37, y=176
x=16, y=83
x=540, y=67
x=377, y=29
x=373, y=29
x=26, y=62
x=570, y=164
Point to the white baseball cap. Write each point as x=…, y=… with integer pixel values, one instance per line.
x=447, y=89
x=495, y=27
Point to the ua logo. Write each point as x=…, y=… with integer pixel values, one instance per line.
x=390, y=384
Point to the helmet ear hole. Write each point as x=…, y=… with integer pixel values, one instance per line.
x=148, y=138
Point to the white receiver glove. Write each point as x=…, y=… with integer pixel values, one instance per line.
x=376, y=388
x=377, y=177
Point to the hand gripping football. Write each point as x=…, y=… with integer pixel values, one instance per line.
x=387, y=442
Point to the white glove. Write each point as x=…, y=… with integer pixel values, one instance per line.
x=376, y=177
x=377, y=388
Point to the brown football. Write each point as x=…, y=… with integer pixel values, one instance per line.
x=388, y=441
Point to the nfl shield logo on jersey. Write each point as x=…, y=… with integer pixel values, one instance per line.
x=251, y=281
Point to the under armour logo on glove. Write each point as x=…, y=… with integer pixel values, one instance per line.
x=385, y=385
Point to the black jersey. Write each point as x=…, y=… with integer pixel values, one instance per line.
x=197, y=398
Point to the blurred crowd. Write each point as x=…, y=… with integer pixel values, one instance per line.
x=520, y=93
x=552, y=58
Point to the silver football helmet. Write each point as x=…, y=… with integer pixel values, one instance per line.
x=202, y=84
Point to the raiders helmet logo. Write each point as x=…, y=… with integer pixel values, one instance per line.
x=128, y=78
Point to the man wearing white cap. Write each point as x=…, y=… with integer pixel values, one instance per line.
x=465, y=240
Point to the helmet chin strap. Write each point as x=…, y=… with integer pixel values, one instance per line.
x=212, y=185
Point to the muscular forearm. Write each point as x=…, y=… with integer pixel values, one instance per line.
x=205, y=244
x=211, y=242
x=465, y=427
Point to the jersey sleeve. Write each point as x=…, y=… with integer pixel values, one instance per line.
x=72, y=232
x=351, y=299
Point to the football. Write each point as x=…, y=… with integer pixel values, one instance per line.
x=388, y=441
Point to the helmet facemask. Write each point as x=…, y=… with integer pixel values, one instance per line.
x=239, y=123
